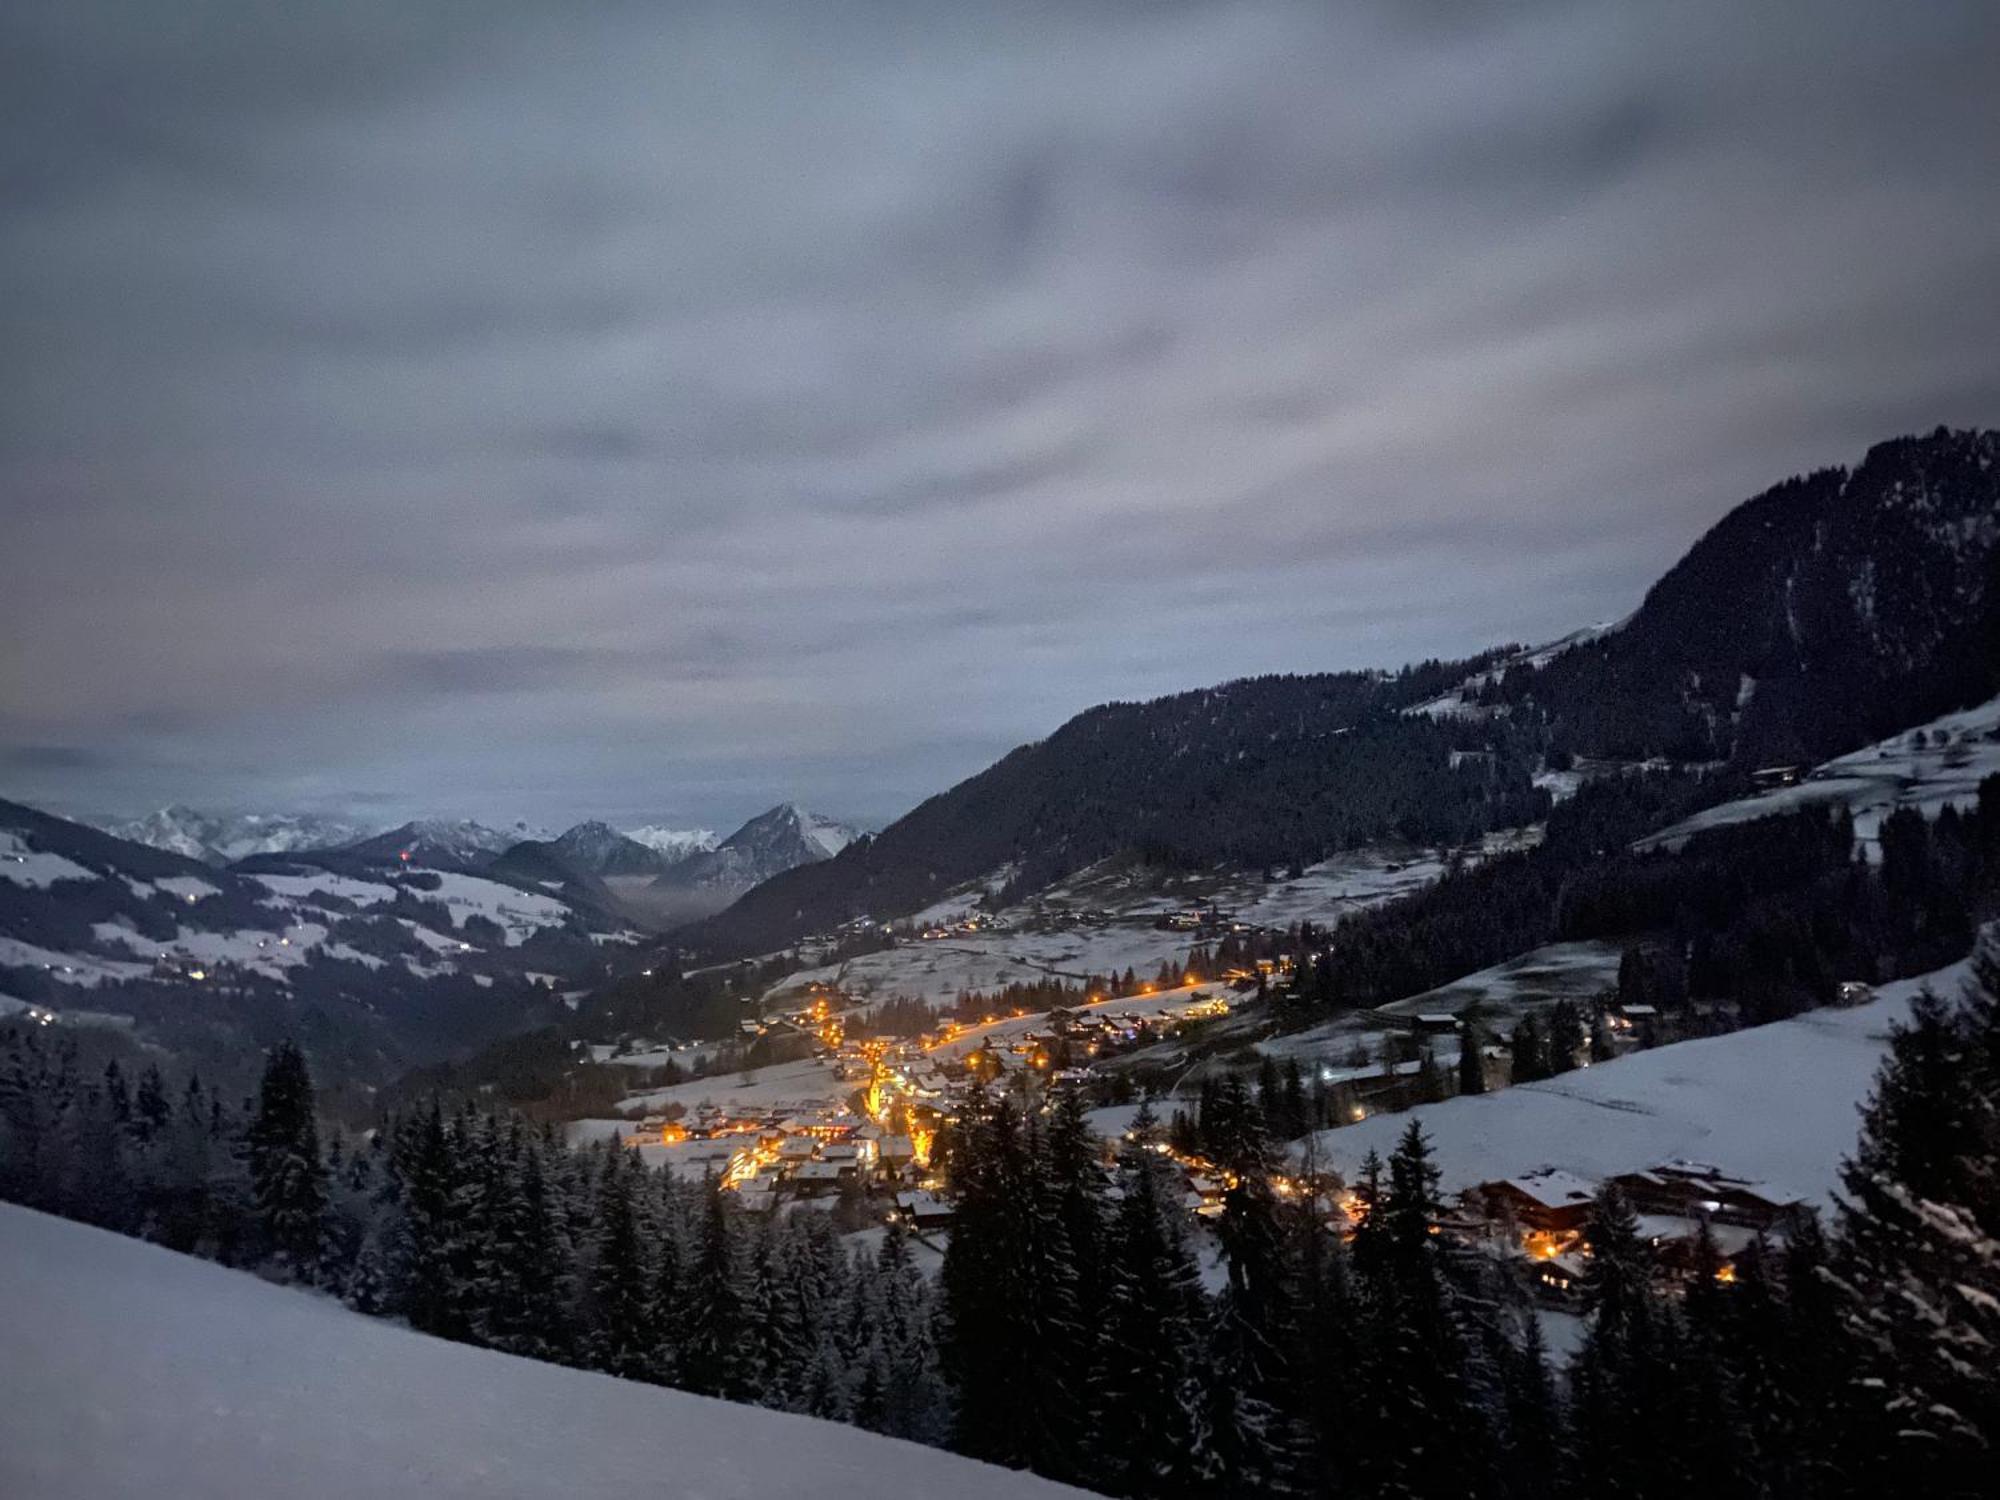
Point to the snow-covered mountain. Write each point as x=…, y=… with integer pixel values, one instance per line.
x=388, y=964
x=673, y=843
x=825, y=834
x=773, y=843
x=579, y=863
x=444, y=842
x=601, y=850
x=135, y=1372
x=219, y=838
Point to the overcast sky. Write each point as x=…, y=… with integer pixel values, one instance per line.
x=656, y=411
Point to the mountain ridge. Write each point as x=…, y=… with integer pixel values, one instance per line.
x=1824, y=612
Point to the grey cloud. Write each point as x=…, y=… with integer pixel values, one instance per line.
x=511, y=409
x=52, y=758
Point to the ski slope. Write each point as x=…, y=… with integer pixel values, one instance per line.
x=129, y=1371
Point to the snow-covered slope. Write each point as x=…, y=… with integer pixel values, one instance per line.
x=1460, y=702
x=673, y=843
x=1776, y=1103
x=1932, y=766
x=132, y=1371
x=142, y=907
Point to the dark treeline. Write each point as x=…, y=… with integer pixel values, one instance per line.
x=1477, y=916
x=1070, y=1329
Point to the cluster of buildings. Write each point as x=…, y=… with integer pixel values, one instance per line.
x=972, y=924
x=1206, y=921
x=1542, y=1217
x=1073, y=1036
x=792, y=1151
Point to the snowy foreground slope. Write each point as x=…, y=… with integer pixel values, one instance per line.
x=1774, y=1103
x=127, y=1370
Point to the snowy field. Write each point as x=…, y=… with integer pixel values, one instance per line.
x=520, y=913
x=1541, y=976
x=34, y=867
x=1959, y=751
x=134, y=1372
x=937, y=971
x=1528, y=981
x=69, y=968
x=1775, y=1103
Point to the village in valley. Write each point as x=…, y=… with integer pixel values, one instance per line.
x=852, y=1121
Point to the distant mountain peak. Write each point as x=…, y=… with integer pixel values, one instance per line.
x=778, y=839
x=451, y=842
x=823, y=836
x=673, y=843
x=223, y=838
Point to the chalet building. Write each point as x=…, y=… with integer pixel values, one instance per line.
x=1692, y=1191
x=849, y=1156
x=795, y=1150
x=1204, y=1195
x=1559, y=1278
x=817, y=1179
x=1544, y=1202
x=923, y=1211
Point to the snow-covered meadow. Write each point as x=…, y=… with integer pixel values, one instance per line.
x=1775, y=1103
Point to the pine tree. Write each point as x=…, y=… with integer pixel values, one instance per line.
x=1565, y=1037
x=1622, y=1378
x=1471, y=1059
x=420, y=1248
x=1151, y=1435
x=151, y=1109
x=287, y=1174
x=1918, y=1263
x=774, y=1326
x=1530, y=1059
x=1534, y=1435
x=531, y=1269
x=1419, y=1351
x=624, y=1329
x=713, y=1355
x=1602, y=1048
x=1250, y=1413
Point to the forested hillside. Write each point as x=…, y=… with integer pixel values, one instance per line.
x=1829, y=611
x=1265, y=771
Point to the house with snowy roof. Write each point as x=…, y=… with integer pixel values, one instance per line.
x=1548, y=1201
x=1692, y=1190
